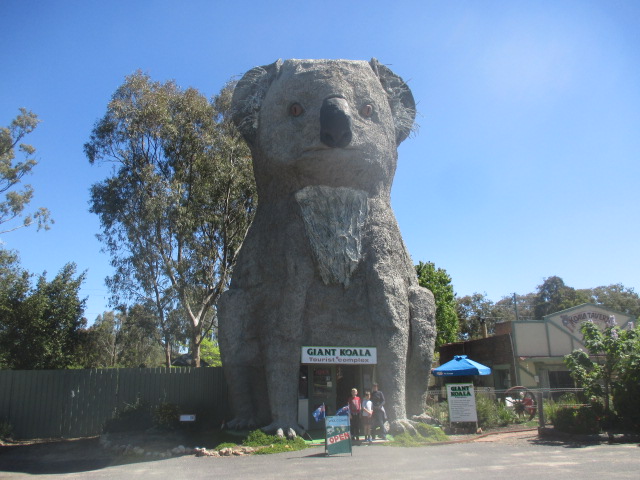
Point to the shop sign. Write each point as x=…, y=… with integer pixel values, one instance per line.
x=573, y=320
x=340, y=355
x=337, y=435
x=462, y=402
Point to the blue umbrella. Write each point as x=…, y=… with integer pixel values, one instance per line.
x=460, y=365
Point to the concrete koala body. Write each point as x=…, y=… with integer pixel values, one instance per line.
x=323, y=262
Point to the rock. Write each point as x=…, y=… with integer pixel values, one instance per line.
x=226, y=452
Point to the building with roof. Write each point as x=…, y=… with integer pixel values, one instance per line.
x=531, y=353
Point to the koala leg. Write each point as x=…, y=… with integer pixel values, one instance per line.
x=389, y=314
x=240, y=351
x=282, y=358
x=423, y=334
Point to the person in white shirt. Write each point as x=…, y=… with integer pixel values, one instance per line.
x=367, y=413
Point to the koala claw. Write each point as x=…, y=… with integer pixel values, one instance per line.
x=242, y=424
x=281, y=427
x=403, y=425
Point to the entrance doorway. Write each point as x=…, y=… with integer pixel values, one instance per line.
x=347, y=377
x=329, y=385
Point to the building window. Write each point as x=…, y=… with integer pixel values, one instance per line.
x=560, y=379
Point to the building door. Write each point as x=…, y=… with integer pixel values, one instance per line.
x=347, y=377
x=322, y=390
x=501, y=378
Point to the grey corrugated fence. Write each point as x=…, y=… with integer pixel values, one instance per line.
x=76, y=403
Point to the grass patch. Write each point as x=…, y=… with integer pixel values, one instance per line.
x=220, y=446
x=426, y=434
x=273, y=443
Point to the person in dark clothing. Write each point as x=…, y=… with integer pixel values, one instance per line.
x=379, y=415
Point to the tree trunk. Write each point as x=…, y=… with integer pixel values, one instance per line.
x=195, y=349
x=167, y=354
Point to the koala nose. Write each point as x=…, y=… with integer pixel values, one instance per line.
x=335, y=123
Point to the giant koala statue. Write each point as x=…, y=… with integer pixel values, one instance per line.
x=323, y=262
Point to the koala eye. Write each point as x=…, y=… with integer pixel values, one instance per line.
x=295, y=110
x=366, y=110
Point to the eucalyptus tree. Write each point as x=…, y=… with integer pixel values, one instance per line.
x=122, y=338
x=177, y=207
x=12, y=172
x=553, y=295
x=475, y=313
x=616, y=297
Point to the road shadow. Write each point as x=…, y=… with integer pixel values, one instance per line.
x=549, y=437
x=60, y=456
x=565, y=443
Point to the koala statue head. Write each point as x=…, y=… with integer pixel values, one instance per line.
x=323, y=122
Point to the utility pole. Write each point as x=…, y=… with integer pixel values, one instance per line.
x=515, y=306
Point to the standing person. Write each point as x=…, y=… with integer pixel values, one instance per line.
x=367, y=413
x=379, y=415
x=354, y=413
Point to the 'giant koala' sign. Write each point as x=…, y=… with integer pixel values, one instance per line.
x=323, y=262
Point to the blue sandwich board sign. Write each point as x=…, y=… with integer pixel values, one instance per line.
x=337, y=435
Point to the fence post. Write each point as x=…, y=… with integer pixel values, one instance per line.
x=541, y=421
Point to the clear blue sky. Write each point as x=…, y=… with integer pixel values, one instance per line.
x=526, y=164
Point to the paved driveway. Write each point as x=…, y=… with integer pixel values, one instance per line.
x=509, y=456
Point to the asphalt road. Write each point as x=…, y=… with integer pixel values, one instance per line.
x=520, y=456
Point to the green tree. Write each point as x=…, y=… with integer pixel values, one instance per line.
x=616, y=297
x=176, y=210
x=12, y=172
x=505, y=309
x=99, y=345
x=439, y=282
x=611, y=365
x=475, y=312
x=553, y=295
x=138, y=339
x=40, y=326
x=211, y=352
x=626, y=390
x=121, y=339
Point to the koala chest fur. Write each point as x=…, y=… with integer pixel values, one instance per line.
x=334, y=221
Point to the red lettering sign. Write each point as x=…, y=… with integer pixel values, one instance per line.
x=339, y=438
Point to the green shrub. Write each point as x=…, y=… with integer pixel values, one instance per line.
x=551, y=407
x=258, y=438
x=492, y=413
x=577, y=420
x=166, y=416
x=625, y=401
x=6, y=430
x=439, y=411
x=130, y=417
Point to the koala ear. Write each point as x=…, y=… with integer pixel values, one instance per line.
x=403, y=106
x=248, y=96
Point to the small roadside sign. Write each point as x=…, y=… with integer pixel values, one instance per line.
x=337, y=435
x=462, y=402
